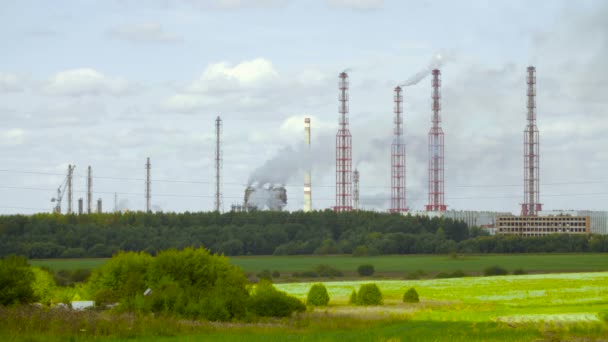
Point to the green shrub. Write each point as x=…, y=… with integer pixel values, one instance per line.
x=317, y=295
x=360, y=251
x=352, y=300
x=305, y=274
x=124, y=275
x=16, y=281
x=265, y=274
x=494, y=271
x=369, y=294
x=327, y=271
x=366, y=270
x=411, y=296
x=415, y=275
x=603, y=315
x=519, y=271
x=455, y=274
x=267, y=301
x=276, y=274
x=43, y=285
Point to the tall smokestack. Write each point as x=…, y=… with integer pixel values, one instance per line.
x=398, y=203
x=356, y=189
x=99, y=208
x=307, y=173
x=436, y=171
x=70, y=192
x=531, y=205
x=218, y=164
x=80, y=206
x=344, y=161
x=148, y=195
x=89, y=190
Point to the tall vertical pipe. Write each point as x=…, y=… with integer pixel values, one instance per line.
x=398, y=203
x=436, y=200
x=344, y=187
x=531, y=205
x=148, y=184
x=70, y=192
x=99, y=208
x=307, y=173
x=80, y=206
x=218, y=164
x=89, y=190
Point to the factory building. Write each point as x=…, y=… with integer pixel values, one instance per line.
x=599, y=219
x=482, y=219
x=543, y=225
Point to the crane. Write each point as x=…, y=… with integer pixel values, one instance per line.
x=66, y=184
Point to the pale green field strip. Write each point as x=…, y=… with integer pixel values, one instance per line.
x=549, y=297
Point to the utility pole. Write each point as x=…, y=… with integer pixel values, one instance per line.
x=148, y=185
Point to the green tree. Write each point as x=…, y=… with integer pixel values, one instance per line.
x=411, y=296
x=16, y=280
x=317, y=295
x=369, y=294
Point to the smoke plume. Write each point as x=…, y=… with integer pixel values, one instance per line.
x=435, y=63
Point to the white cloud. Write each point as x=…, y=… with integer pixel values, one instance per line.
x=144, y=33
x=252, y=85
x=357, y=4
x=13, y=137
x=235, y=4
x=85, y=81
x=10, y=83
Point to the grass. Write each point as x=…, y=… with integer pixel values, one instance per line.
x=538, y=307
x=393, y=265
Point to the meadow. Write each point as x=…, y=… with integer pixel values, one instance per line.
x=395, y=265
x=547, y=307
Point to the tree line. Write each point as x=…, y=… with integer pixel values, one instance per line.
x=265, y=233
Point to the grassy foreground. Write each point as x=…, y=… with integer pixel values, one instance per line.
x=392, y=264
x=549, y=307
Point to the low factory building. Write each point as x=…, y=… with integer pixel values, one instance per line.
x=542, y=225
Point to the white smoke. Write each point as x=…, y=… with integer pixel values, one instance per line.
x=267, y=196
x=435, y=63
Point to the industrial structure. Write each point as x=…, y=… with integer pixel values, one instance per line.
x=70, y=189
x=99, y=208
x=436, y=201
x=89, y=190
x=398, y=203
x=356, y=190
x=543, y=225
x=148, y=184
x=344, y=162
x=218, y=165
x=307, y=172
x=598, y=219
x=264, y=197
x=80, y=206
x=531, y=205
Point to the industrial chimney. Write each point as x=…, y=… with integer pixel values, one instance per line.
x=398, y=204
x=307, y=176
x=99, y=206
x=436, y=157
x=356, y=189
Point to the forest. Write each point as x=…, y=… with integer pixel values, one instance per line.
x=265, y=233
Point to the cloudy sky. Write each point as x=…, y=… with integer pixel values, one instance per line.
x=109, y=83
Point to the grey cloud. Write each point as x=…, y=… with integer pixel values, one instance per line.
x=11, y=83
x=357, y=4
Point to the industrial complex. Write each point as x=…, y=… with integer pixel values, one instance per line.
x=263, y=195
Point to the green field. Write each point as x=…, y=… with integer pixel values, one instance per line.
x=393, y=264
x=540, y=307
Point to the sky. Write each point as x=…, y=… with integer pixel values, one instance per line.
x=109, y=83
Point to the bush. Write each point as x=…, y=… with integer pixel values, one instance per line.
x=305, y=274
x=267, y=301
x=360, y=251
x=455, y=274
x=276, y=274
x=366, y=270
x=317, y=295
x=352, y=300
x=265, y=274
x=415, y=275
x=495, y=271
x=411, y=296
x=327, y=271
x=519, y=271
x=16, y=281
x=369, y=294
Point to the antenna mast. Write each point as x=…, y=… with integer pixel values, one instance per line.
x=218, y=165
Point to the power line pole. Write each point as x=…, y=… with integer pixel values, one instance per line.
x=148, y=185
x=218, y=165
